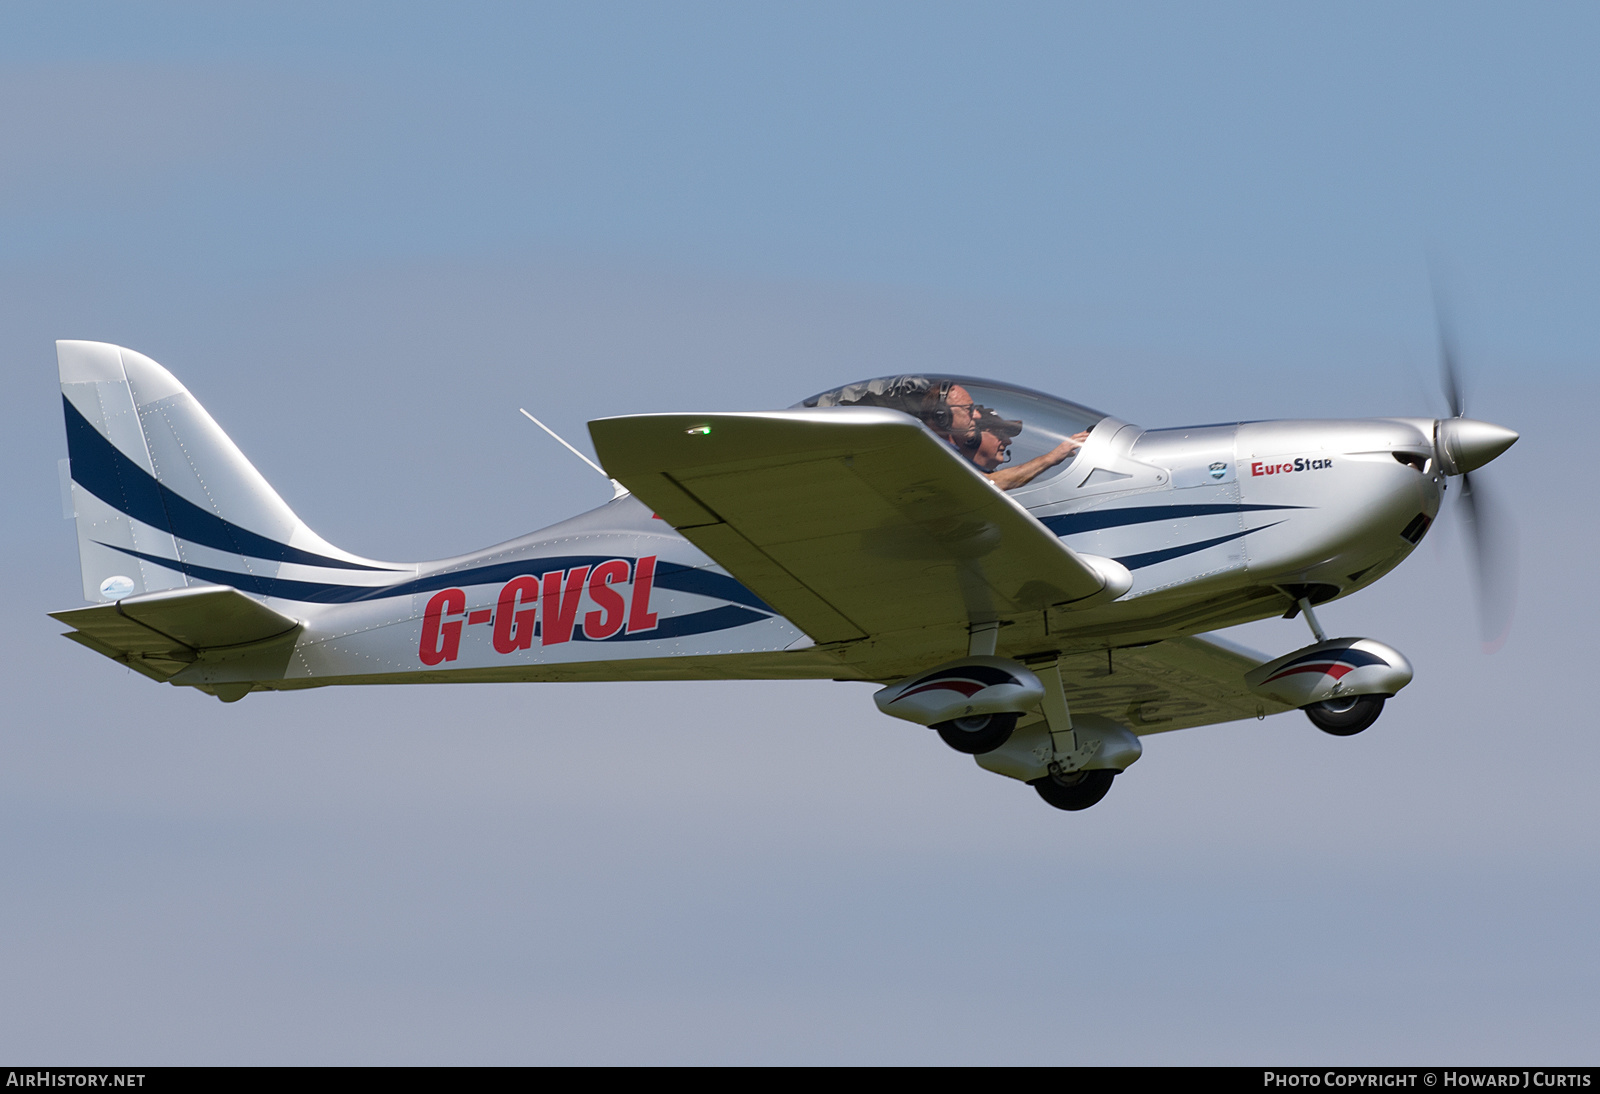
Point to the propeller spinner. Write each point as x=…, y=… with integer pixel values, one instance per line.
x=1462, y=445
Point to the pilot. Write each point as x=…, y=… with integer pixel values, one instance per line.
x=984, y=437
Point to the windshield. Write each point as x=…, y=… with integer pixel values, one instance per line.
x=1012, y=434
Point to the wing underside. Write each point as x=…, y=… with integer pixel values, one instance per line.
x=1175, y=684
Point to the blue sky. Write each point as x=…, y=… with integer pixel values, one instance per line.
x=364, y=235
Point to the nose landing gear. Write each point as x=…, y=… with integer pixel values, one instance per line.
x=1341, y=683
x=1078, y=790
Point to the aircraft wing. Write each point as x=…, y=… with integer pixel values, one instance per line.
x=161, y=634
x=849, y=521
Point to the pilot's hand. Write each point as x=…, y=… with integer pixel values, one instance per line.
x=1066, y=448
x=1009, y=478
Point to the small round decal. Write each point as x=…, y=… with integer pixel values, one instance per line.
x=116, y=587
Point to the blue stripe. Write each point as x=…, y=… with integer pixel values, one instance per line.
x=1349, y=656
x=669, y=575
x=987, y=675
x=309, y=592
x=1150, y=558
x=1066, y=524
x=102, y=469
x=681, y=626
x=691, y=579
x=678, y=626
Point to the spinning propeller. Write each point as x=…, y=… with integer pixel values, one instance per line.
x=1462, y=445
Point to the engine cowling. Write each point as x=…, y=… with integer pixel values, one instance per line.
x=1333, y=669
x=960, y=689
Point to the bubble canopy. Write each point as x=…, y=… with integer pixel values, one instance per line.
x=1020, y=424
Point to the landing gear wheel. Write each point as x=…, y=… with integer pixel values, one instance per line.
x=977, y=734
x=1079, y=790
x=1347, y=716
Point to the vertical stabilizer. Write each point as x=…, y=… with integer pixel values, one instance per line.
x=162, y=497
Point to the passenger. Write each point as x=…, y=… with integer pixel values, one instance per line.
x=984, y=437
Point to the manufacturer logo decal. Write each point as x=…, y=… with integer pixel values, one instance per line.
x=1218, y=470
x=1289, y=468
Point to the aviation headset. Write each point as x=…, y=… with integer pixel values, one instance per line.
x=940, y=417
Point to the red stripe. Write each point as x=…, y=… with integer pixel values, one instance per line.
x=965, y=687
x=1334, y=669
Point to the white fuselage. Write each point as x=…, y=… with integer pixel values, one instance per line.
x=1217, y=524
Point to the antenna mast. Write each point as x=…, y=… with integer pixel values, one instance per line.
x=617, y=489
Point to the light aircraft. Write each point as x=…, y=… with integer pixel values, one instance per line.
x=1032, y=579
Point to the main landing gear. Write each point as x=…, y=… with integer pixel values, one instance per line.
x=1346, y=716
x=1013, y=720
x=977, y=733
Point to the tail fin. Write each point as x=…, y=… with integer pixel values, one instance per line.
x=162, y=497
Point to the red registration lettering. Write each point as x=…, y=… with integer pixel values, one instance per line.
x=555, y=599
x=561, y=605
x=441, y=641
x=513, y=629
x=607, y=621
x=640, y=617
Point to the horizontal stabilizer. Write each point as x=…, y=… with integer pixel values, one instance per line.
x=160, y=633
x=850, y=521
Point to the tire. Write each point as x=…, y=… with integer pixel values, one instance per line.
x=1079, y=790
x=1345, y=717
x=978, y=734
